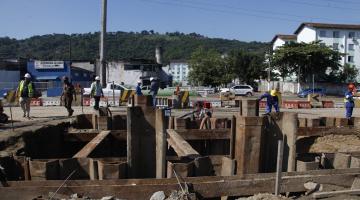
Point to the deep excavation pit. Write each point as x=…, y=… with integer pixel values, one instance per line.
x=145, y=150
x=49, y=151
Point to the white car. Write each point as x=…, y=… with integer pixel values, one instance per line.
x=110, y=89
x=245, y=90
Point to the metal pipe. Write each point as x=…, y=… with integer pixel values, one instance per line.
x=102, y=42
x=279, y=167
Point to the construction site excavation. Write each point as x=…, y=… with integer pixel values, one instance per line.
x=142, y=152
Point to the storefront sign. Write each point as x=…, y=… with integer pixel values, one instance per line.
x=49, y=64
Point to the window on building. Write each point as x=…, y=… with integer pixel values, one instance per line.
x=350, y=59
x=336, y=46
x=322, y=33
x=336, y=34
x=76, y=74
x=351, y=34
x=85, y=75
x=351, y=47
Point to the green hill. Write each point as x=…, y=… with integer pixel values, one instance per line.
x=120, y=45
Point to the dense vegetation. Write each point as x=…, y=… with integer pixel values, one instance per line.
x=120, y=45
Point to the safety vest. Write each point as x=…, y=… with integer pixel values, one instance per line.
x=94, y=88
x=30, y=89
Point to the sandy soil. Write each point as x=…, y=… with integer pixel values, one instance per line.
x=336, y=143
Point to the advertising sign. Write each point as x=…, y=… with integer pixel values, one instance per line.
x=49, y=64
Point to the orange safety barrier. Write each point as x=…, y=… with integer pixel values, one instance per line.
x=304, y=104
x=262, y=104
x=290, y=104
x=86, y=101
x=328, y=104
x=36, y=102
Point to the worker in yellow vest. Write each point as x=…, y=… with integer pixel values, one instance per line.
x=25, y=92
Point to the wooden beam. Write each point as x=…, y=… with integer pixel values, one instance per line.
x=205, y=187
x=86, y=135
x=89, y=147
x=180, y=146
x=204, y=134
x=322, y=131
x=320, y=195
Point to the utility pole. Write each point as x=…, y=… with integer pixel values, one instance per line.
x=102, y=42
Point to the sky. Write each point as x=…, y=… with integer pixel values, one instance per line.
x=244, y=20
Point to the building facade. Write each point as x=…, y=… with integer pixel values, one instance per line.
x=344, y=38
x=281, y=39
x=179, y=70
x=130, y=72
x=341, y=37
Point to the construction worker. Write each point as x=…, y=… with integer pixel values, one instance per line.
x=272, y=99
x=25, y=92
x=349, y=100
x=154, y=88
x=138, y=88
x=68, y=93
x=96, y=92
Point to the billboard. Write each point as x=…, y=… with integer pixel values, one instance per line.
x=49, y=64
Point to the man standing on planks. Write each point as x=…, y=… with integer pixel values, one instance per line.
x=154, y=88
x=67, y=95
x=96, y=92
x=25, y=92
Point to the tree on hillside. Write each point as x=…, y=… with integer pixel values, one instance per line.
x=246, y=66
x=119, y=45
x=207, y=67
x=307, y=59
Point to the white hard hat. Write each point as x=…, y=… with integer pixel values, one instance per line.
x=27, y=75
x=151, y=78
x=97, y=78
x=139, y=81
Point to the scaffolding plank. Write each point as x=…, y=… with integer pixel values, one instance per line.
x=206, y=187
x=204, y=134
x=180, y=146
x=89, y=147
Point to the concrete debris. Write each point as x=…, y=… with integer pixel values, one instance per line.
x=264, y=196
x=312, y=187
x=179, y=195
x=108, y=198
x=174, y=195
x=159, y=195
x=336, y=143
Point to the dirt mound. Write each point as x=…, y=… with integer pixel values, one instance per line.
x=336, y=143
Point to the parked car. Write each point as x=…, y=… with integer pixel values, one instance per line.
x=108, y=90
x=246, y=90
x=304, y=93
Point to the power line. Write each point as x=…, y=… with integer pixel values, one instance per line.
x=342, y=1
x=268, y=12
x=220, y=11
x=320, y=5
x=234, y=12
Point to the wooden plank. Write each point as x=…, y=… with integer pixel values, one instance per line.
x=160, y=131
x=89, y=147
x=204, y=134
x=206, y=187
x=320, y=195
x=322, y=131
x=180, y=146
x=86, y=135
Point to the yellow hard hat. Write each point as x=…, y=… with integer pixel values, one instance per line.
x=273, y=93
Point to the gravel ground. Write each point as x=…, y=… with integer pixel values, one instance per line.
x=40, y=112
x=336, y=143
